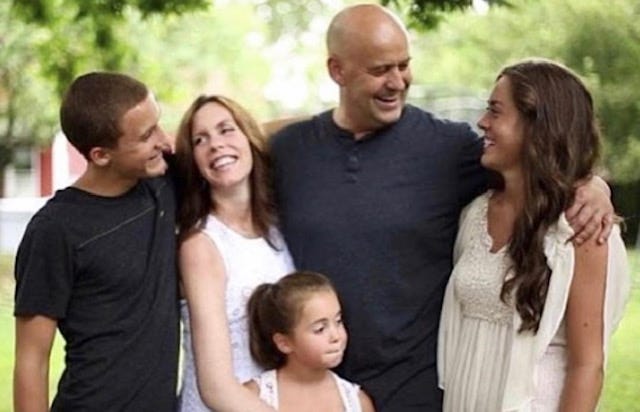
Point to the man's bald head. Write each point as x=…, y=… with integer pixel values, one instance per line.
x=357, y=25
x=369, y=60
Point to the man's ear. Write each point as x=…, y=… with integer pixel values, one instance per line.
x=100, y=156
x=283, y=343
x=336, y=71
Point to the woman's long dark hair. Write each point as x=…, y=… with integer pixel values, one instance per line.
x=561, y=147
x=194, y=194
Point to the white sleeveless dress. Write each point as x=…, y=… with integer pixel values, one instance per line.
x=268, y=384
x=484, y=364
x=248, y=262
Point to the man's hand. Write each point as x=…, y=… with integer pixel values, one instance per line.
x=591, y=213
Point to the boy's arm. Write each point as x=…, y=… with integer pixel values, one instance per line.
x=34, y=339
x=274, y=126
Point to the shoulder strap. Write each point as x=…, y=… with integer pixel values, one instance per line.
x=349, y=394
x=268, y=385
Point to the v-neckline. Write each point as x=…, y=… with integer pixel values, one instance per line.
x=486, y=236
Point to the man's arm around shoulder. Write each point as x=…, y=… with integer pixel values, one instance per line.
x=272, y=127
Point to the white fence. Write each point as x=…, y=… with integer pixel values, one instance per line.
x=15, y=213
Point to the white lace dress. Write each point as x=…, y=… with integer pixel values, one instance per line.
x=478, y=375
x=268, y=385
x=484, y=364
x=248, y=262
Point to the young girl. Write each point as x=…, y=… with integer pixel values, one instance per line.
x=296, y=333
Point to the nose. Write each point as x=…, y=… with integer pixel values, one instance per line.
x=215, y=142
x=162, y=139
x=483, y=122
x=335, y=332
x=395, y=79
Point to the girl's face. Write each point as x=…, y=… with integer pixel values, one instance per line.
x=220, y=149
x=319, y=338
x=503, y=130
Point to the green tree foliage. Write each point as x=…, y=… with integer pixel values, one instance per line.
x=286, y=16
x=79, y=32
x=43, y=11
x=26, y=114
x=179, y=42
x=221, y=51
x=427, y=14
x=605, y=47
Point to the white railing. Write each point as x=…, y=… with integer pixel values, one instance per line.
x=15, y=213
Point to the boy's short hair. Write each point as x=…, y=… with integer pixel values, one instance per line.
x=93, y=106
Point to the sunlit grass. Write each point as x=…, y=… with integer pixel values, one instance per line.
x=622, y=380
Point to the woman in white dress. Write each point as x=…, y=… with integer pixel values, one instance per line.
x=228, y=245
x=528, y=313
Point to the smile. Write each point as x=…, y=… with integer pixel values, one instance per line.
x=488, y=142
x=223, y=161
x=387, y=100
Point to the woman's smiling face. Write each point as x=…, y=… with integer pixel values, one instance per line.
x=220, y=148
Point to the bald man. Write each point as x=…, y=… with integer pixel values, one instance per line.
x=369, y=194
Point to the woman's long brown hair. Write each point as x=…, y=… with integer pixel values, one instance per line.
x=194, y=191
x=561, y=147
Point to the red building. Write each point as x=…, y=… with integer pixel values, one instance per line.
x=38, y=172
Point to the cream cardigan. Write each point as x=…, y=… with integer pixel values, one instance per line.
x=527, y=349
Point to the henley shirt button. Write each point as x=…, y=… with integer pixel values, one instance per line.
x=352, y=178
x=353, y=164
x=162, y=213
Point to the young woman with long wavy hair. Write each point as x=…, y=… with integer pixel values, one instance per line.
x=528, y=313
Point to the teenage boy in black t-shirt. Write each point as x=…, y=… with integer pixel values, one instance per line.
x=97, y=262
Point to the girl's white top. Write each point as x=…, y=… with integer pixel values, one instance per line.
x=248, y=263
x=268, y=384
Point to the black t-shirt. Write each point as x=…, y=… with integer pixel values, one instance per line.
x=105, y=269
x=379, y=217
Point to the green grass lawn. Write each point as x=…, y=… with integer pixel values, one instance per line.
x=622, y=381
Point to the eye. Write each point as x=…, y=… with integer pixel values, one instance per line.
x=147, y=135
x=491, y=110
x=318, y=330
x=403, y=66
x=379, y=70
x=227, y=129
x=198, y=139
